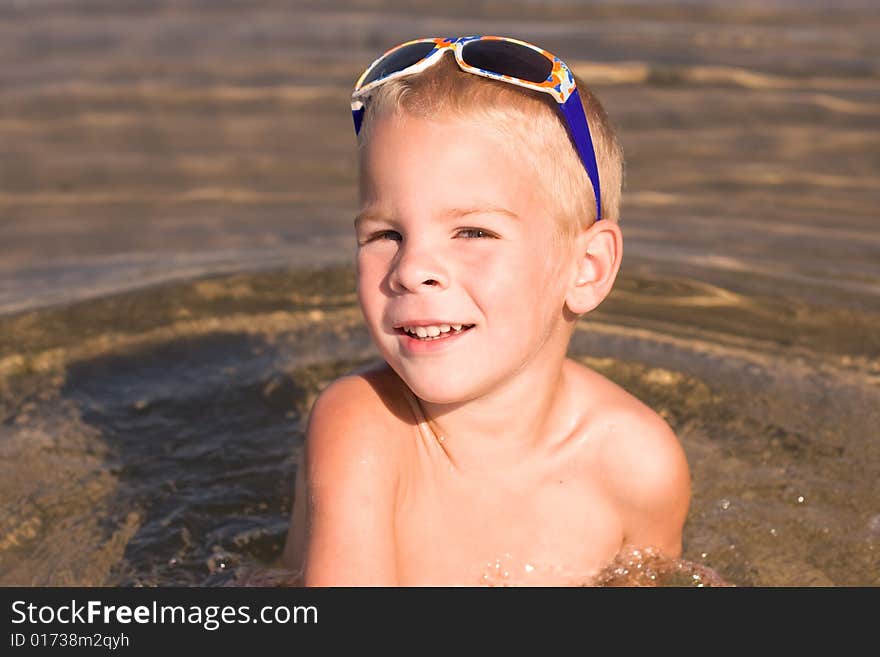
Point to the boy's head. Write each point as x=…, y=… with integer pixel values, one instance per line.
x=440, y=142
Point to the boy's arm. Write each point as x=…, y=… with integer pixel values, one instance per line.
x=648, y=473
x=342, y=527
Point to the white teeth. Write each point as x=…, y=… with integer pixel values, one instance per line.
x=432, y=331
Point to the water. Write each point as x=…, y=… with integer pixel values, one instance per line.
x=176, y=199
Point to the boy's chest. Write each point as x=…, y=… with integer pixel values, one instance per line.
x=552, y=532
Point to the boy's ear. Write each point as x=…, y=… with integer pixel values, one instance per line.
x=598, y=252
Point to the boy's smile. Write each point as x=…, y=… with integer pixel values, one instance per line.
x=434, y=336
x=454, y=233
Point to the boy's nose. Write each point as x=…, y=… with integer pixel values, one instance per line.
x=417, y=269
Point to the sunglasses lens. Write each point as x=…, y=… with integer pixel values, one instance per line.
x=398, y=60
x=507, y=58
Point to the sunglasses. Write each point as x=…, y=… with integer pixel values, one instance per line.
x=499, y=58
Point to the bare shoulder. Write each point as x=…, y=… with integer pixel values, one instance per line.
x=341, y=530
x=352, y=420
x=643, y=464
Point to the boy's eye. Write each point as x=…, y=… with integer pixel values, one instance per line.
x=383, y=234
x=477, y=232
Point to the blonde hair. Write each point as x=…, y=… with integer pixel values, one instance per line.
x=530, y=124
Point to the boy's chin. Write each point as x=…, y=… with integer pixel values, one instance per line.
x=441, y=391
x=439, y=398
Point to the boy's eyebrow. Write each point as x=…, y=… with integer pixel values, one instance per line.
x=371, y=214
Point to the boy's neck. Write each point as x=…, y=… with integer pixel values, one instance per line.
x=506, y=427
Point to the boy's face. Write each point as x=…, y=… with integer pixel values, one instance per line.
x=419, y=258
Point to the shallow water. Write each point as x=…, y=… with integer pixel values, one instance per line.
x=151, y=438
x=175, y=248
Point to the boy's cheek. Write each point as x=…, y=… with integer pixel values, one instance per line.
x=369, y=274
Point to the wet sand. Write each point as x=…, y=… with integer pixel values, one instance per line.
x=175, y=281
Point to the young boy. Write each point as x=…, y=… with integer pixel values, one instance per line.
x=477, y=453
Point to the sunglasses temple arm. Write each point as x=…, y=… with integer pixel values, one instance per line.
x=357, y=113
x=573, y=111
